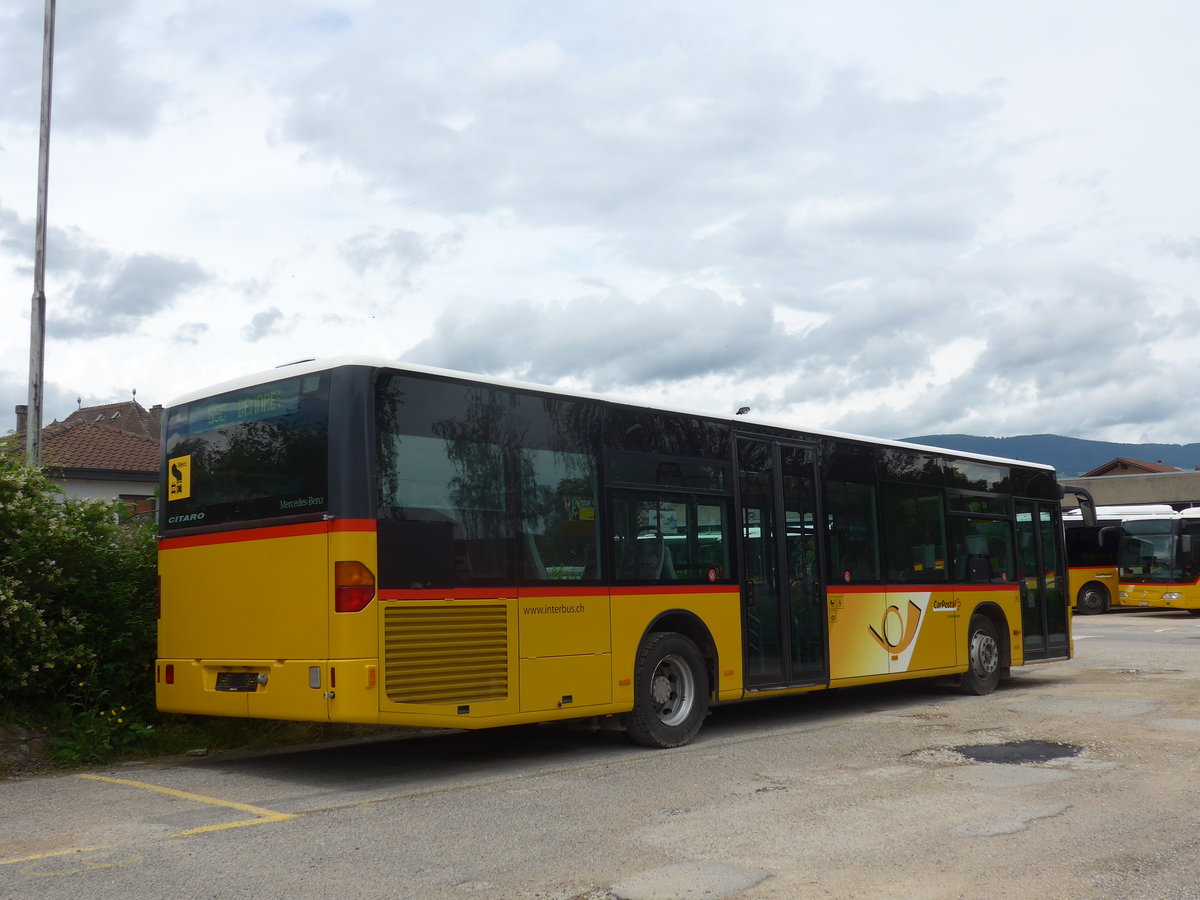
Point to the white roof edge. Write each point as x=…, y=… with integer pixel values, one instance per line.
x=303, y=367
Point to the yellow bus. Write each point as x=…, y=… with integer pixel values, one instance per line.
x=1159, y=560
x=356, y=541
x=1092, y=553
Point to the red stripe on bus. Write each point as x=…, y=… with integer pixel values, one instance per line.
x=512, y=593
x=500, y=593
x=274, y=532
x=834, y=588
x=630, y=590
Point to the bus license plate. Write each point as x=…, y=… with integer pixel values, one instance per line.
x=242, y=682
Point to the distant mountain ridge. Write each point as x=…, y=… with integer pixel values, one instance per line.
x=1071, y=457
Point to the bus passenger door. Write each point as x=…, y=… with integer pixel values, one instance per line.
x=1042, y=582
x=782, y=610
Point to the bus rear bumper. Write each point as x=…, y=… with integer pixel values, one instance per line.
x=296, y=689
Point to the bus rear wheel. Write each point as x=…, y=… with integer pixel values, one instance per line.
x=1092, y=598
x=983, y=657
x=670, y=686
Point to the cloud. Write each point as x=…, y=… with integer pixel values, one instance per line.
x=99, y=83
x=758, y=163
x=191, y=332
x=92, y=291
x=399, y=251
x=1181, y=248
x=263, y=324
x=606, y=340
x=927, y=224
x=125, y=291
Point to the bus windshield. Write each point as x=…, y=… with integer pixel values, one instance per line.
x=1150, y=549
x=258, y=453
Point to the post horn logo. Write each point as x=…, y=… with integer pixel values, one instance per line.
x=896, y=632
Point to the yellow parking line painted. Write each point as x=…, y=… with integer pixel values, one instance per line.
x=261, y=816
x=37, y=856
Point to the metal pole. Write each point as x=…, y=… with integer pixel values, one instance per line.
x=37, y=315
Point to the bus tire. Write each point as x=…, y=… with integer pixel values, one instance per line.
x=670, y=685
x=983, y=657
x=1092, y=599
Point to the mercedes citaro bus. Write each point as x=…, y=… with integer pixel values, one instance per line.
x=357, y=541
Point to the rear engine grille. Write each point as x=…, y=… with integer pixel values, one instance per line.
x=445, y=654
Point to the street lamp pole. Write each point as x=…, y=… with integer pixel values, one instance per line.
x=37, y=315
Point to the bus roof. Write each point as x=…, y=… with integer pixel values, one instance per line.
x=1144, y=511
x=305, y=366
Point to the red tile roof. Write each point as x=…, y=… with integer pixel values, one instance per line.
x=128, y=415
x=114, y=436
x=1123, y=466
x=84, y=445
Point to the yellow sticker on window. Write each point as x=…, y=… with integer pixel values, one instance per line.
x=179, y=478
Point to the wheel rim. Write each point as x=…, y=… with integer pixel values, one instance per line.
x=985, y=654
x=672, y=690
x=1092, y=600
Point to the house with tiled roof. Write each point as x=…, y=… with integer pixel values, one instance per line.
x=1123, y=466
x=103, y=452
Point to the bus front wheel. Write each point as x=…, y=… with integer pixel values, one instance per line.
x=1092, y=598
x=670, y=686
x=983, y=657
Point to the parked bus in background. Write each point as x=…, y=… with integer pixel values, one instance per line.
x=1159, y=560
x=1092, y=554
x=354, y=541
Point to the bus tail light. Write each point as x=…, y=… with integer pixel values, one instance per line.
x=354, y=586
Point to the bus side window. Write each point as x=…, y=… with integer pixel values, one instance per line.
x=670, y=537
x=853, y=533
x=915, y=533
x=983, y=550
x=559, y=501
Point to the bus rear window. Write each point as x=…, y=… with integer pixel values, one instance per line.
x=257, y=453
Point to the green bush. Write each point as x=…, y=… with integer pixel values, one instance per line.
x=77, y=615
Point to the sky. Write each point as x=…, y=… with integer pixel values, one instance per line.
x=886, y=218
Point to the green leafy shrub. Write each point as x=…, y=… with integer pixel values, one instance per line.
x=77, y=614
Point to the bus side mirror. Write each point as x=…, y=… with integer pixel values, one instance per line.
x=1087, y=506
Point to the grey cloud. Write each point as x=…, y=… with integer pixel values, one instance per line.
x=788, y=160
x=97, y=292
x=98, y=83
x=607, y=340
x=128, y=290
x=1060, y=362
x=399, y=250
x=263, y=324
x=14, y=238
x=1182, y=248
